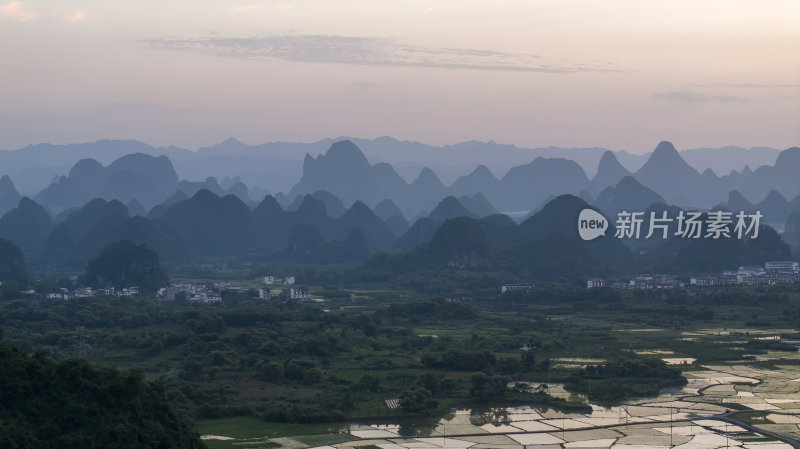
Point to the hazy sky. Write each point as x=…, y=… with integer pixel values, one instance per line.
x=612, y=73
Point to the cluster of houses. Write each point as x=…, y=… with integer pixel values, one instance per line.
x=772, y=273
x=88, y=292
x=198, y=292
x=211, y=293
x=289, y=290
x=644, y=281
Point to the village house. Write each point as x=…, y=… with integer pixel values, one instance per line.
x=205, y=293
x=522, y=286
x=296, y=292
x=592, y=283
x=784, y=266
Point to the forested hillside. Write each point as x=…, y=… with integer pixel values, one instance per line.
x=44, y=404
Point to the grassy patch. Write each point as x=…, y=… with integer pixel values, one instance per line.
x=239, y=444
x=328, y=439
x=736, y=406
x=244, y=427
x=752, y=417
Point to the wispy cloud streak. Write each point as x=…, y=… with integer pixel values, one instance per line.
x=695, y=98
x=748, y=86
x=370, y=51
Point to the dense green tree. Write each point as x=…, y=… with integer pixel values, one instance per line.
x=417, y=400
x=44, y=404
x=487, y=388
x=609, y=383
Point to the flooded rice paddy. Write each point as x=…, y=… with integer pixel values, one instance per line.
x=690, y=417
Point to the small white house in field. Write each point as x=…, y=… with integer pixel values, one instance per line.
x=523, y=286
x=591, y=283
x=269, y=280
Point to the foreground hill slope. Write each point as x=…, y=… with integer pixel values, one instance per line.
x=75, y=404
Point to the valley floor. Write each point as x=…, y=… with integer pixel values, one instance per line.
x=731, y=406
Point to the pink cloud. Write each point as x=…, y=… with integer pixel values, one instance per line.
x=17, y=10
x=79, y=16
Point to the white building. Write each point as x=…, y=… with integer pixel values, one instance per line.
x=264, y=293
x=206, y=297
x=591, y=283
x=269, y=280
x=506, y=287
x=289, y=281
x=783, y=266
x=751, y=270
x=643, y=281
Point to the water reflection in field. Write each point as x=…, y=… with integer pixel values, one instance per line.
x=677, y=418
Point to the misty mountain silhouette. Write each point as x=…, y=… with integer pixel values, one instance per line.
x=155, y=234
x=62, y=242
x=159, y=210
x=481, y=180
x=343, y=171
x=386, y=209
x=422, y=231
x=628, y=194
x=426, y=227
x=669, y=175
x=217, y=221
x=148, y=179
x=136, y=208
x=277, y=166
x=527, y=186
x=333, y=205
x=478, y=205
x=425, y=191
x=210, y=224
x=12, y=263
x=609, y=172
x=783, y=177
x=27, y=225
x=449, y=208
x=391, y=214
x=774, y=207
x=713, y=256
x=546, y=244
x=374, y=230
x=190, y=188
x=791, y=231
x=9, y=197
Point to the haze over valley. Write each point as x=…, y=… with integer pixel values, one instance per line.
x=428, y=224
